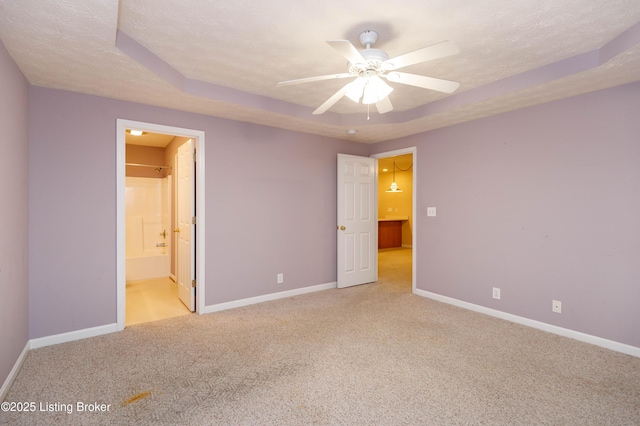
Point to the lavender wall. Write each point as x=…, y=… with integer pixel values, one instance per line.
x=14, y=213
x=543, y=203
x=270, y=198
x=273, y=211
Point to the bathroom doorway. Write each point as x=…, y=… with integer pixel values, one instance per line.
x=149, y=232
x=151, y=289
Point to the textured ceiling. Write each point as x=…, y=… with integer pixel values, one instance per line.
x=224, y=58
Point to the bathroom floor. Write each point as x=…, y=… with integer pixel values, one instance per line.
x=152, y=300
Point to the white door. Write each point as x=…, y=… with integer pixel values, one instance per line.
x=357, y=221
x=185, y=206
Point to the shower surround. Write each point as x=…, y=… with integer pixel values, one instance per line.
x=147, y=228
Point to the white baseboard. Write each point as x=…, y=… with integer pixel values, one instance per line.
x=4, y=390
x=266, y=298
x=48, y=341
x=112, y=328
x=72, y=335
x=583, y=337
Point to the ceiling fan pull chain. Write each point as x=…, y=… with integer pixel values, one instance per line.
x=368, y=112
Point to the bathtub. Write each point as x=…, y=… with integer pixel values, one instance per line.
x=147, y=220
x=148, y=267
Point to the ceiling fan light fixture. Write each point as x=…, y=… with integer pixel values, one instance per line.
x=356, y=87
x=375, y=90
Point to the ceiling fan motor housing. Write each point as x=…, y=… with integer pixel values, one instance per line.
x=374, y=58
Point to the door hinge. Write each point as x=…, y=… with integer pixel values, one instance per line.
x=193, y=283
x=193, y=220
x=194, y=156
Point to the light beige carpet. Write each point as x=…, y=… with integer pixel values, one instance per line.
x=371, y=354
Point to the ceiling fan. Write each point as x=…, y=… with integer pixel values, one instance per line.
x=370, y=66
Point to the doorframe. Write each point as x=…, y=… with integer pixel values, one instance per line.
x=414, y=184
x=199, y=136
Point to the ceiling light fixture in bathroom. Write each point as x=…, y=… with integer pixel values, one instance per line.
x=394, y=185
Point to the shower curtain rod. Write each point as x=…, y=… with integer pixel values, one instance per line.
x=147, y=165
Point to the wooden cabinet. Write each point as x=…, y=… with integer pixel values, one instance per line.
x=389, y=233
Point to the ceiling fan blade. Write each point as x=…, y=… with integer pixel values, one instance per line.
x=348, y=50
x=332, y=100
x=384, y=105
x=429, y=53
x=310, y=79
x=430, y=83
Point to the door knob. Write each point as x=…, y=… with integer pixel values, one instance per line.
x=176, y=229
x=342, y=228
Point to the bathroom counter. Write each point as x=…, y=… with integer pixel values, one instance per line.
x=390, y=231
x=393, y=218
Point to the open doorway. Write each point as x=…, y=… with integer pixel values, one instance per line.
x=151, y=225
x=156, y=192
x=396, y=218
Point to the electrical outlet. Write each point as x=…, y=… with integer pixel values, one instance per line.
x=556, y=306
x=496, y=293
x=280, y=278
x=431, y=211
